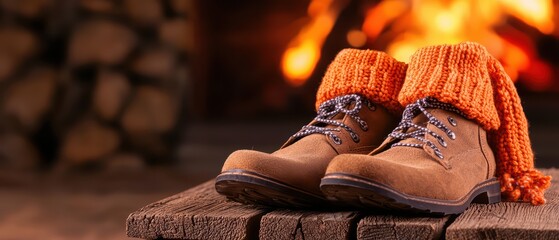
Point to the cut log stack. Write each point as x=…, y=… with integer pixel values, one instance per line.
x=92, y=82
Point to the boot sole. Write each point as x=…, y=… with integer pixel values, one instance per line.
x=252, y=188
x=365, y=193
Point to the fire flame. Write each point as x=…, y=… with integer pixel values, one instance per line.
x=299, y=61
x=303, y=52
x=407, y=25
x=431, y=22
x=536, y=13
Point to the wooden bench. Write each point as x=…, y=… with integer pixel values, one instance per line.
x=201, y=213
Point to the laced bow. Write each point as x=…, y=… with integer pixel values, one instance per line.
x=420, y=107
x=331, y=108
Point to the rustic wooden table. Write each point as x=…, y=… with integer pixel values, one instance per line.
x=201, y=213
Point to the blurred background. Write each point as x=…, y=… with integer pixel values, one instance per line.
x=108, y=105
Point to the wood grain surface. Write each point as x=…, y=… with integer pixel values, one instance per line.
x=510, y=220
x=288, y=224
x=401, y=227
x=201, y=213
x=198, y=213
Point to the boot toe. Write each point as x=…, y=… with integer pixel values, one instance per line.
x=396, y=175
x=284, y=170
x=365, y=166
x=249, y=160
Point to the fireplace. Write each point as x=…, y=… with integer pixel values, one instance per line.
x=101, y=82
x=267, y=59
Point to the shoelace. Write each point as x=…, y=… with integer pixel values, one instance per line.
x=331, y=108
x=419, y=107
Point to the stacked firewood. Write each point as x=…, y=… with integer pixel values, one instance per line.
x=92, y=82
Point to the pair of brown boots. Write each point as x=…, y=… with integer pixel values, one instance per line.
x=436, y=159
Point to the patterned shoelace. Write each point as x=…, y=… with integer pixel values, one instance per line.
x=419, y=107
x=331, y=108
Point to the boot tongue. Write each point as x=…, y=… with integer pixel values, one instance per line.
x=341, y=115
x=420, y=120
x=338, y=117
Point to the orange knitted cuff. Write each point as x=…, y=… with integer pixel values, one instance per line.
x=468, y=77
x=372, y=74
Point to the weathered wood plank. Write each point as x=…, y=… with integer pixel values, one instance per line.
x=508, y=220
x=198, y=213
x=288, y=224
x=401, y=227
x=280, y=224
x=201, y=213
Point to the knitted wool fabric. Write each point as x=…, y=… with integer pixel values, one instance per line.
x=373, y=74
x=468, y=77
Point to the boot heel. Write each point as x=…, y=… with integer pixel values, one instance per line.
x=491, y=194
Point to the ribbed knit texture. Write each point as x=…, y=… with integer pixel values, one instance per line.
x=468, y=77
x=372, y=74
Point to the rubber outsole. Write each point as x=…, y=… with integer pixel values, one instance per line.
x=365, y=193
x=252, y=188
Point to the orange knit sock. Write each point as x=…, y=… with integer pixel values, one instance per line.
x=373, y=74
x=468, y=77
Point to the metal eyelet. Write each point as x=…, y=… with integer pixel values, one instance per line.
x=336, y=139
x=452, y=121
x=354, y=137
x=364, y=126
x=451, y=135
x=442, y=142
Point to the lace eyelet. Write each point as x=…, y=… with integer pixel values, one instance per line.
x=451, y=135
x=364, y=126
x=329, y=109
x=452, y=121
x=354, y=137
x=336, y=139
x=442, y=142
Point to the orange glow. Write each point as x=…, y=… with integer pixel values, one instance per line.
x=515, y=60
x=299, y=62
x=403, y=49
x=378, y=17
x=420, y=23
x=407, y=25
x=536, y=13
x=356, y=38
x=515, y=57
x=443, y=22
x=302, y=54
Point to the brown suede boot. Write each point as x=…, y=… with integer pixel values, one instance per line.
x=438, y=159
x=357, y=100
x=435, y=161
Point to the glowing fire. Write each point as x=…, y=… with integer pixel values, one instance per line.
x=303, y=52
x=299, y=61
x=406, y=25
x=430, y=22
x=537, y=13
